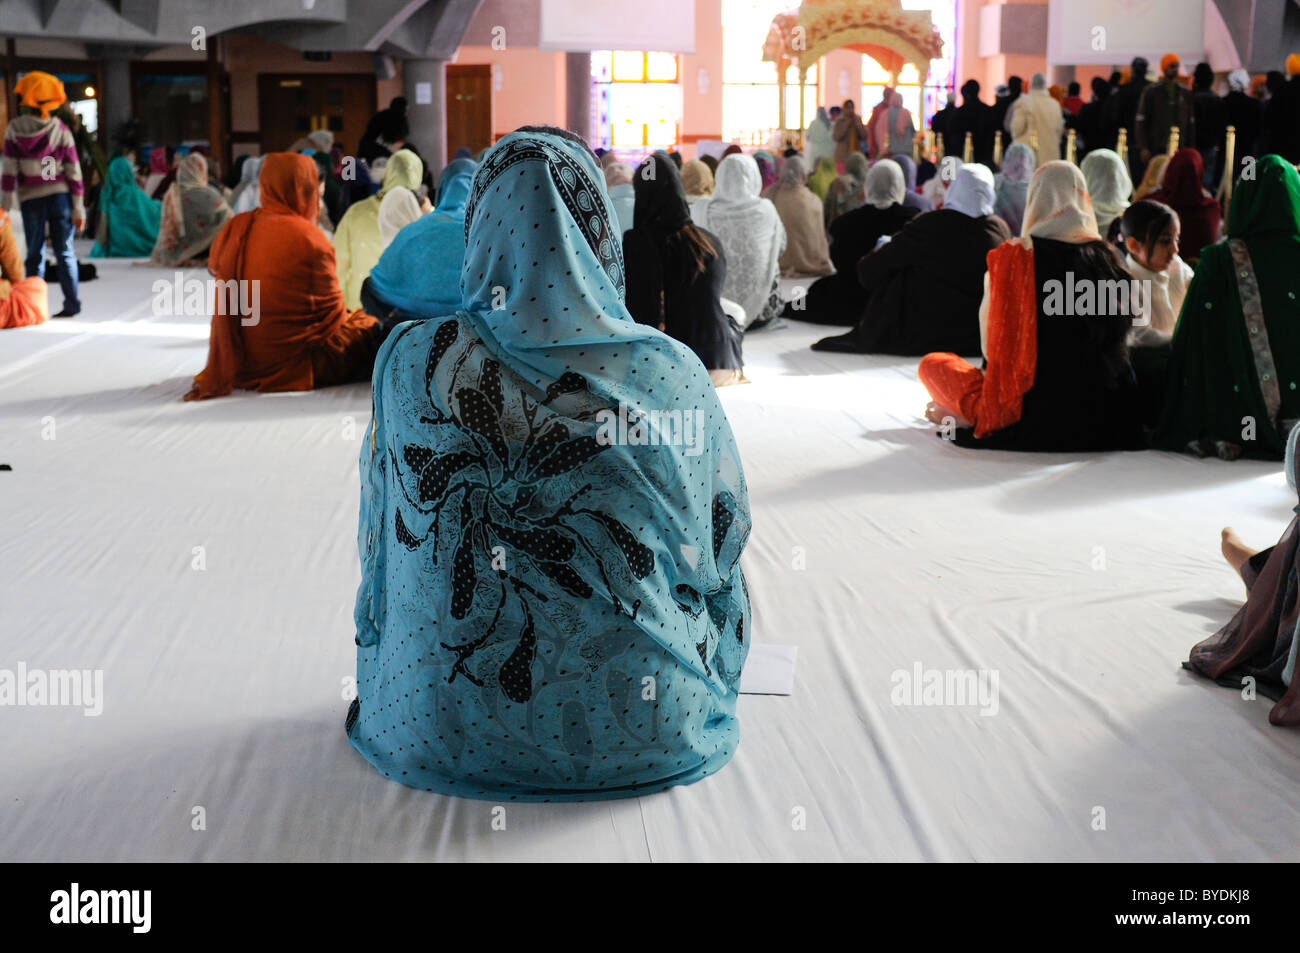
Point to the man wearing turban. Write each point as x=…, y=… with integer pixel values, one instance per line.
x=1163, y=105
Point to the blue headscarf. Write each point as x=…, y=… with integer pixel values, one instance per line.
x=551, y=604
x=419, y=272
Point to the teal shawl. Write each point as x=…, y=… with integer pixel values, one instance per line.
x=551, y=603
x=129, y=218
x=419, y=272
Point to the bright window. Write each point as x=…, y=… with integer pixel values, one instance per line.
x=638, y=100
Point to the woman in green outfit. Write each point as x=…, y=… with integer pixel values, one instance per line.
x=128, y=219
x=1234, y=375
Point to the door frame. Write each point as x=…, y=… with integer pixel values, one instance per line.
x=473, y=70
x=311, y=75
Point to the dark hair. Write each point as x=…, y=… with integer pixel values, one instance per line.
x=1100, y=88
x=1203, y=76
x=971, y=89
x=563, y=134
x=1115, y=78
x=1074, y=89
x=847, y=103
x=1146, y=221
x=1015, y=84
x=1139, y=67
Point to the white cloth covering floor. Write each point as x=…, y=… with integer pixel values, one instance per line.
x=1082, y=581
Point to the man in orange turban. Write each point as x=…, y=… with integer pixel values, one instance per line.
x=42, y=92
x=1164, y=105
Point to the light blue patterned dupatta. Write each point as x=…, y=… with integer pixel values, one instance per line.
x=552, y=516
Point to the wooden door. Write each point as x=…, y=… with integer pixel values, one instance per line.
x=292, y=105
x=469, y=107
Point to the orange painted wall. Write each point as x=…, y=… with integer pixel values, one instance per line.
x=830, y=66
x=702, y=112
x=532, y=85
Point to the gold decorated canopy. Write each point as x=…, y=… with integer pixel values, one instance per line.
x=882, y=29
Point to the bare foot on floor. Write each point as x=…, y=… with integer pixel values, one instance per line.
x=1234, y=550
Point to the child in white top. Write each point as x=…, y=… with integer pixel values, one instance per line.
x=1150, y=234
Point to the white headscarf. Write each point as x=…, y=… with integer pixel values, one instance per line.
x=1058, y=206
x=618, y=173
x=1109, y=185
x=248, y=195
x=398, y=209
x=1239, y=81
x=749, y=228
x=972, y=192
x=886, y=185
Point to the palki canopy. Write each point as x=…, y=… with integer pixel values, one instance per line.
x=881, y=29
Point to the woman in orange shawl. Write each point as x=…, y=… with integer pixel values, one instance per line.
x=23, y=301
x=1057, y=373
x=298, y=336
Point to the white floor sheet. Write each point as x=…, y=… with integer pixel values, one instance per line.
x=1081, y=581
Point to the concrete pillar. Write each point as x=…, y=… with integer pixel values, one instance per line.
x=424, y=83
x=577, y=93
x=115, y=97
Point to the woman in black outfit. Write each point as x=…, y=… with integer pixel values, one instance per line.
x=675, y=271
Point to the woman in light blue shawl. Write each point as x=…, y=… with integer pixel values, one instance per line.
x=418, y=275
x=551, y=603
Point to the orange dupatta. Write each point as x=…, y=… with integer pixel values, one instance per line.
x=1012, y=337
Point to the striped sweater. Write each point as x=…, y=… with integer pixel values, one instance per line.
x=40, y=158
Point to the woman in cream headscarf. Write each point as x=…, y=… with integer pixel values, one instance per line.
x=193, y=214
x=697, y=180
x=399, y=208
x=357, y=242
x=1057, y=373
x=806, y=249
x=1152, y=178
x=1108, y=184
x=752, y=237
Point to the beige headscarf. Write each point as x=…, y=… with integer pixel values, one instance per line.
x=1058, y=206
x=696, y=178
x=191, y=173
x=398, y=209
x=1152, y=178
